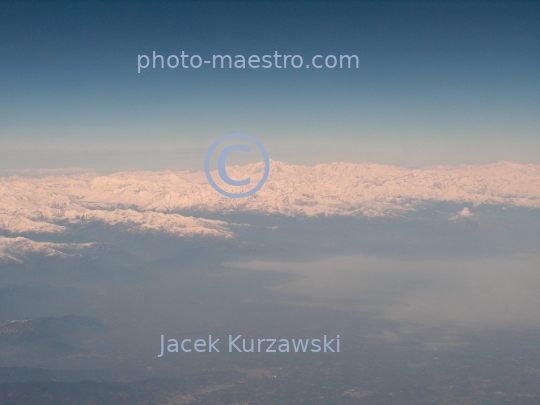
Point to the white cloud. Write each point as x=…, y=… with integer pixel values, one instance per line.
x=464, y=213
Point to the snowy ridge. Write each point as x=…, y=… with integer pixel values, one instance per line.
x=173, y=224
x=146, y=201
x=19, y=224
x=15, y=249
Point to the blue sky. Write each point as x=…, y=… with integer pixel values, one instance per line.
x=438, y=83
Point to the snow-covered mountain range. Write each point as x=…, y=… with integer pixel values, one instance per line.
x=150, y=201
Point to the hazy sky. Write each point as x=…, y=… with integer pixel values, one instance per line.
x=438, y=83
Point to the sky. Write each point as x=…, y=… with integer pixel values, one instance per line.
x=437, y=83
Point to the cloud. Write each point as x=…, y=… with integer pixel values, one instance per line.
x=464, y=213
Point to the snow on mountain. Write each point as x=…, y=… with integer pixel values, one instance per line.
x=19, y=224
x=173, y=224
x=147, y=200
x=328, y=189
x=34, y=205
x=15, y=249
